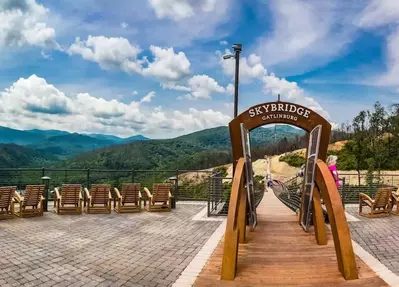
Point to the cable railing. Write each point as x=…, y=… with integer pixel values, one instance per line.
x=289, y=192
x=188, y=184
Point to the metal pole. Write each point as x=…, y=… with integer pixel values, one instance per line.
x=237, y=57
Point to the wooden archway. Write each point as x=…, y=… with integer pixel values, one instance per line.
x=278, y=113
x=302, y=117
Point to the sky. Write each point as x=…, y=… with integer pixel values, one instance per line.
x=155, y=67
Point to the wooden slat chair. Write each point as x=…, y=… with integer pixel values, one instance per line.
x=70, y=200
x=380, y=206
x=395, y=202
x=7, y=201
x=99, y=199
x=129, y=200
x=32, y=198
x=160, y=199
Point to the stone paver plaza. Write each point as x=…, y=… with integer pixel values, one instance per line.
x=378, y=236
x=146, y=249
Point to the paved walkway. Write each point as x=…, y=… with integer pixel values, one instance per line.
x=146, y=249
x=280, y=253
x=378, y=236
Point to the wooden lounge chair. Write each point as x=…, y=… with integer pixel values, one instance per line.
x=380, y=206
x=32, y=198
x=160, y=199
x=70, y=200
x=395, y=202
x=7, y=202
x=99, y=199
x=129, y=200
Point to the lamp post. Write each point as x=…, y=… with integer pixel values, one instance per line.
x=237, y=50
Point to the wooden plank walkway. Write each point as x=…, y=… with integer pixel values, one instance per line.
x=280, y=253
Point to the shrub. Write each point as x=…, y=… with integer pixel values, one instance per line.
x=293, y=159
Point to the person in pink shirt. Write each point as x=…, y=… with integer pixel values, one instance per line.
x=332, y=166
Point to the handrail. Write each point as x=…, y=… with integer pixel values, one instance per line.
x=339, y=226
x=238, y=181
x=237, y=212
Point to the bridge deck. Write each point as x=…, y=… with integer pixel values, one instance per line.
x=280, y=253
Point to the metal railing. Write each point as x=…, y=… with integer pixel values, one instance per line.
x=351, y=184
x=219, y=195
x=188, y=184
x=289, y=192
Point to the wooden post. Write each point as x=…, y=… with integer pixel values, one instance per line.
x=318, y=219
x=242, y=215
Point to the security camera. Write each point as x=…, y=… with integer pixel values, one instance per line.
x=228, y=56
x=237, y=47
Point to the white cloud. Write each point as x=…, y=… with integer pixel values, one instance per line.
x=22, y=23
x=292, y=92
x=174, y=86
x=148, y=97
x=124, y=25
x=378, y=13
x=202, y=86
x=199, y=87
x=181, y=9
x=224, y=43
x=109, y=53
x=250, y=68
x=119, y=53
x=34, y=95
x=306, y=34
x=134, y=93
x=390, y=78
x=167, y=65
x=46, y=56
x=33, y=103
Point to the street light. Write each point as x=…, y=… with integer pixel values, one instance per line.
x=237, y=50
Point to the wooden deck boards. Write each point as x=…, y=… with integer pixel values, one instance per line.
x=280, y=253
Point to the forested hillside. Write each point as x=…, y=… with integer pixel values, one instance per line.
x=373, y=141
x=199, y=150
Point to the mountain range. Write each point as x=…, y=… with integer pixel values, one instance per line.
x=210, y=147
x=60, y=144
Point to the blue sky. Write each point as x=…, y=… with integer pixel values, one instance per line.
x=154, y=67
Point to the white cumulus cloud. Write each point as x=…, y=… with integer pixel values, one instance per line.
x=22, y=22
x=181, y=9
x=34, y=103
x=167, y=65
x=199, y=87
x=252, y=69
x=119, y=53
x=109, y=53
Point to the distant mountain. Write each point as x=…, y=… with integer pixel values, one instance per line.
x=201, y=149
x=8, y=135
x=135, y=138
x=61, y=143
x=71, y=144
x=48, y=133
x=119, y=140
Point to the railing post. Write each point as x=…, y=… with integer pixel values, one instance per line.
x=132, y=175
x=343, y=192
x=46, y=181
x=209, y=195
x=175, y=197
x=87, y=186
x=43, y=169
